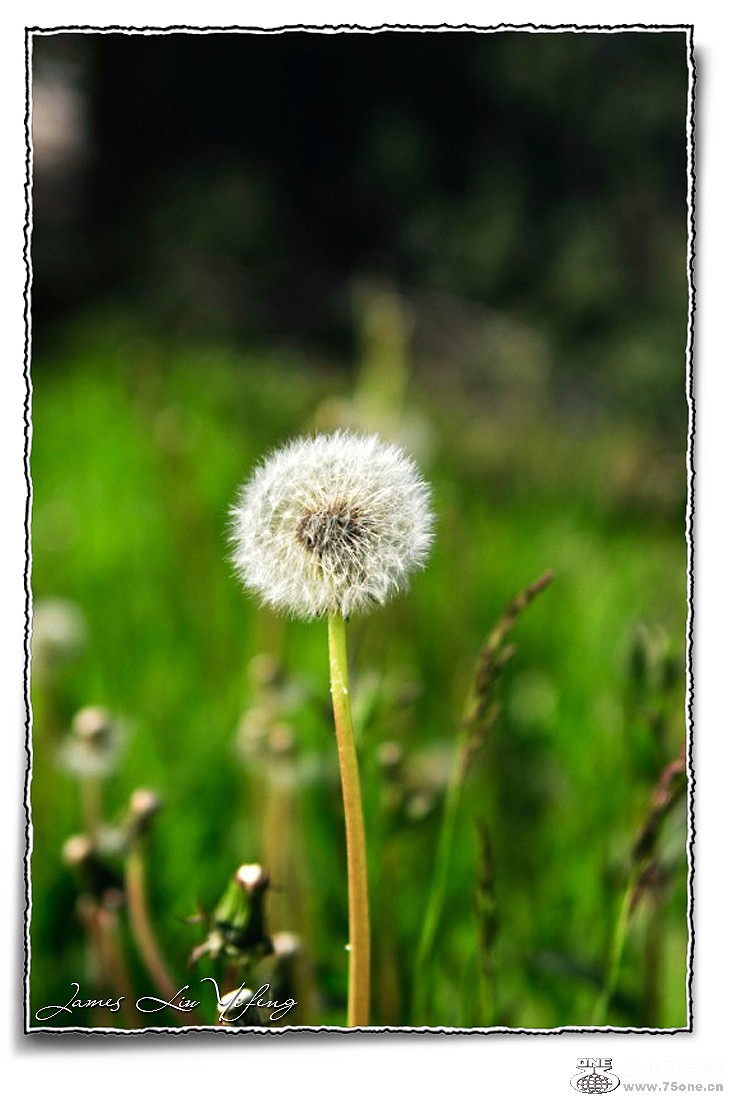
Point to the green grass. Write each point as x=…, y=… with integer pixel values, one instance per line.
x=138, y=450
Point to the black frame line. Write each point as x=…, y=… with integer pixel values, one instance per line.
x=340, y=28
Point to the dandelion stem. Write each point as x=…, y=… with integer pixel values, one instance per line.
x=359, y=934
x=103, y=928
x=141, y=925
x=91, y=802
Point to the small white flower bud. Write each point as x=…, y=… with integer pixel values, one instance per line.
x=93, y=725
x=252, y=877
x=77, y=850
x=144, y=803
x=143, y=806
x=331, y=525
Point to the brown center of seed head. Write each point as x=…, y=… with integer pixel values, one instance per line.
x=335, y=529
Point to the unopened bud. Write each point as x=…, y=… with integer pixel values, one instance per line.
x=252, y=877
x=77, y=850
x=237, y=923
x=93, y=725
x=96, y=877
x=143, y=805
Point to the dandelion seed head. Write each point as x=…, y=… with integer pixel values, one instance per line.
x=60, y=632
x=94, y=743
x=331, y=525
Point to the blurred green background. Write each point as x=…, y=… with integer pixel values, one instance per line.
x=474, y=244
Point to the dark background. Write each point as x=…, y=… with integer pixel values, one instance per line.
x=239, y=184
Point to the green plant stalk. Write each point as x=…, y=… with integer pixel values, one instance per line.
x=654, y=949
x=437, y=892
x=477, y=718
x=619, y=938
x=664, y=797
x=359, y=924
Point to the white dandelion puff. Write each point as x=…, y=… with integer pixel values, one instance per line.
x=331, y=525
